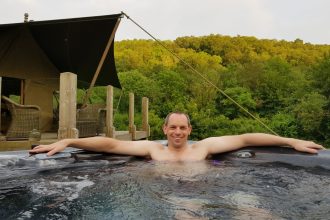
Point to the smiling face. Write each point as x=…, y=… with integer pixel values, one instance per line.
x=177, y=129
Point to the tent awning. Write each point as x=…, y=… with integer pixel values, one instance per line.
x=40, y=50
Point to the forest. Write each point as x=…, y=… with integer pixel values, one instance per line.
x=284, y=84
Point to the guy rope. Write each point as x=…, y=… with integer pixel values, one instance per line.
x=201, y=75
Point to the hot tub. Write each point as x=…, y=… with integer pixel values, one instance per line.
x=252, y=183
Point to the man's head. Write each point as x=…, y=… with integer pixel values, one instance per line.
x=177, y=128
x=179, y=113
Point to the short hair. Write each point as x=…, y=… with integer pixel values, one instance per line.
x=177, y=112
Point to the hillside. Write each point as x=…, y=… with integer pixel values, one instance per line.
x=284, y=84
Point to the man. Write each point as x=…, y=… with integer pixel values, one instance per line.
x=177, y=128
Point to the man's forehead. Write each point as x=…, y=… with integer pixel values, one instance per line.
x=177, y=119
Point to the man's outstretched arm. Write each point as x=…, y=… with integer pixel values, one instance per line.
x=222, y=144
x=98, y=144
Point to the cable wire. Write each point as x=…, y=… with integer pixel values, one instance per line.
x=200, y=74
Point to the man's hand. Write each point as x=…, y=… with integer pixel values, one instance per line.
x=51, y=148
x=306, y=146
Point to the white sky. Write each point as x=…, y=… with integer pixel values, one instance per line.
x=308, y=20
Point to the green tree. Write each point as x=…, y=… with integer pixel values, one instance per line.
x=285, y=83
x=172, y=90
x=309, y=114
x=284, y=124
x=320, y=76
x=240, y=95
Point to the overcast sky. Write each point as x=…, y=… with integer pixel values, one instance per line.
x=308, y=20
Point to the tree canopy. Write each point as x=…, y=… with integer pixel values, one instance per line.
x=284, y=84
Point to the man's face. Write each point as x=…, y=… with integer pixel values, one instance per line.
x=177, y=130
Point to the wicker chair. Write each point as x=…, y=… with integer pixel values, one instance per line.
x=24, y=119
x=88, y=122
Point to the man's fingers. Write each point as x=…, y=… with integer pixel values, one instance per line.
x=316, y=147
x=319, y=147
x=311, y=150
x=40, y=149
x=52, y=152
x=37, y=149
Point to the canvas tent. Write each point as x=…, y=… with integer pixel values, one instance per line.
x=36, y=52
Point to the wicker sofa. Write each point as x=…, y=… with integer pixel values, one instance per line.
x=88, y=121
x=24, y=119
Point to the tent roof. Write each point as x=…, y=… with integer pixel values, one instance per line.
x=66, y=45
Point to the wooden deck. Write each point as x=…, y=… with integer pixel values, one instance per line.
x=68, y=119
x=48, y=138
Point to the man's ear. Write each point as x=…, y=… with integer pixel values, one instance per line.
x=164, y=129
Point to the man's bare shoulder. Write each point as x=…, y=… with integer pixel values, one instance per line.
x=215, y=145
x=207, y=141
x=157, y=150
x=152, y=145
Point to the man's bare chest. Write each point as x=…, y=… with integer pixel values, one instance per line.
x=189, y=155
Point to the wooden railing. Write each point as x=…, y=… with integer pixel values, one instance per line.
x=67, y=113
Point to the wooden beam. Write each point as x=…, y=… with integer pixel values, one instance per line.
x=110, y=129
x=99, y=67
x=68, y=102
x=22, y=92
x=145, y=116
x=0, y=106
x=131, y=126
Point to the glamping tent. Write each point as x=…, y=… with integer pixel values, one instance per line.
x=33, y=54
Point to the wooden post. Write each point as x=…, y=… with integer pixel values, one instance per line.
x=68, y=102
x=145, y=116
x=0, y=105
x=22, y=92
x=110, y=129
x=131, y=126
x=99, y=66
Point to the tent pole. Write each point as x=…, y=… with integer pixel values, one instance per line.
x=98, y=69
x=22, y=92
x=0, y=103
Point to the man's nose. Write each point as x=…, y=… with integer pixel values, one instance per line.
x=177, y=131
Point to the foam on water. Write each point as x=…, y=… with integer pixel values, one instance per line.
x=26, y=215
x=8, y=160
x=70, y=189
